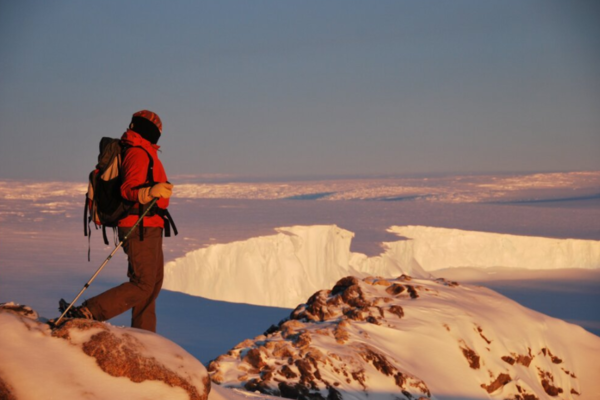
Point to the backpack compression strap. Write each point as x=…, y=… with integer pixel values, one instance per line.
x=163, y=213
x=166, y=216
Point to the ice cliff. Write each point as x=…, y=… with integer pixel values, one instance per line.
x=278, y=270
x=284, y=269
x=437, y=248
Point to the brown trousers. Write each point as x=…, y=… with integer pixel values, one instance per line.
x=145, y=272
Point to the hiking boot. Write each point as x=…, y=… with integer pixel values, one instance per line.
x=75, y=312
x=80, y=312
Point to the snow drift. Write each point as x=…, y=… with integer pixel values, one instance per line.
x=284, y=269
x=410, y=338
x=90, y=359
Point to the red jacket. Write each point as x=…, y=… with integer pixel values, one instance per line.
x=135, y=170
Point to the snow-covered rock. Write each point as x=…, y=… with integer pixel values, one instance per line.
x=409, y=338
x=89, y=359
x=284, y=269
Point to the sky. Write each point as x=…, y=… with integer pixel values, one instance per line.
x=303, y=88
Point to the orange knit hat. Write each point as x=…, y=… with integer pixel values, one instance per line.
x=150, y=116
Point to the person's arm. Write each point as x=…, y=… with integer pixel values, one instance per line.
x=134, y=170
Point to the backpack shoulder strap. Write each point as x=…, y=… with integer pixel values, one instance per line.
x=149, y=182
x=150, y=173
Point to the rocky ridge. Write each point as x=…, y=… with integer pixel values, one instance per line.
x=403, y=338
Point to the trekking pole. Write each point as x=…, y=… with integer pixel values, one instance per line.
x=87, y=285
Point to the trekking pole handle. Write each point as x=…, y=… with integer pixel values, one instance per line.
x=152, y=203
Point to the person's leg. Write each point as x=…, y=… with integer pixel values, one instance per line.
x=143, y=265
x=143, y=314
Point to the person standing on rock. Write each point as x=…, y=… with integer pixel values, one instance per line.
x=143, y=179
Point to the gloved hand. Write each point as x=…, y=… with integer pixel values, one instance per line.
x=164, y=190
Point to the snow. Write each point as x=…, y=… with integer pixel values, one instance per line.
x=44, y=255
x=427, y=343
x=437, y=248
x=30, y=356
x=284, y=269
x=446, y=189
x=569, y=294
x=280, y=270
x=221, y=393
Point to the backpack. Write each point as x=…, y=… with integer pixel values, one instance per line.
x=104, y=202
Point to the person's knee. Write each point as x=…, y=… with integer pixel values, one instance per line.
x=145, y=287
x=147, y=290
